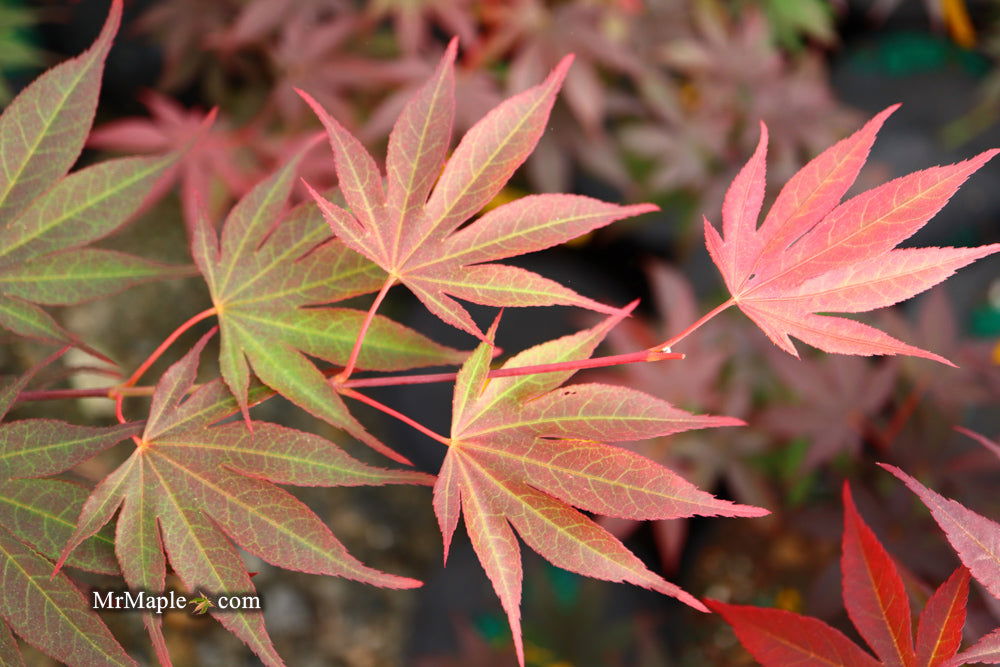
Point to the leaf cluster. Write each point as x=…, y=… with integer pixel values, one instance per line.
x=528, y=455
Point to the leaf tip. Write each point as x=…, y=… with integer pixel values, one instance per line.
x=893, y=470
x=451, y=51
x=558, y=74
x=639, y=209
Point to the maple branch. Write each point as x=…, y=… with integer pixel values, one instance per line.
x=885, y=437
x=151, y=359
x=394, y=413
x=94, y=392
x=666, y=345
x=384, y=381
x=369, y=316
x=579, y=364
x=117, y=393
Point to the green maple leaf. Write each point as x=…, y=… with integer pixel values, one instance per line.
x=267, y=281
x=190, y=487
x=46, y=216
x=202, y=604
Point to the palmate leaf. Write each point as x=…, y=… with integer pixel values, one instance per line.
x=877, y=605
x=814, y=254
x=409, y=228
x=524, y=451
x=262, y=278
x=37, y=516
x=190, y=487
x=45, y=216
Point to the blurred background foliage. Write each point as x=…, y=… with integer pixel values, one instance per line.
x=662, y=104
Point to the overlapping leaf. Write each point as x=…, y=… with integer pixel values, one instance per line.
x=874, y=595
x=50, y=612
x=263, y=275
x=525, y=450
x=409, y=228
x=36, y=518
x=45, y=216
x=975, y=538
x=814, y=254
x=189, y=487
x=986, y=650
x=877, y=604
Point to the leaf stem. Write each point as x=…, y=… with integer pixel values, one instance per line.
x=666, y=345
x=369, y=316
x=385, y=381
x=118, y=394
x=394, y=413
x=578, y=364
x=151, y=359
x=96, y=392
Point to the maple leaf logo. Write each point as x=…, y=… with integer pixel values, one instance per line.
x=201, y=604
x=815, y=254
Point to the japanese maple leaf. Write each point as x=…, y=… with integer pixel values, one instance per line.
x=315, y=55
x=37, y=516
x=524, y=450
x=183, y=28
x=413, y=236
x=877, y=605
x=532, y=36
x=990, y=445
x=190, y=487
x=265, y=271
x=414, y=20
x=813, y=254
x=46, y=216
x=835, y=399
x=218, y=167
x=975, y=538
x=257, y=20
x=975, y=382
x=720, y=72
